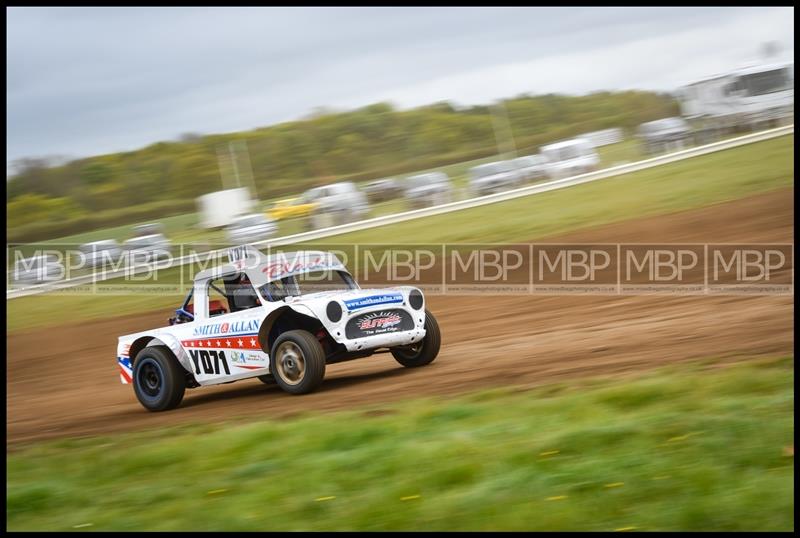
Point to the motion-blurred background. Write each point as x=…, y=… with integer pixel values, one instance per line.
x=123, y=116
x=142, y=130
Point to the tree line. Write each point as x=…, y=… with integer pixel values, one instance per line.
x=367, y=143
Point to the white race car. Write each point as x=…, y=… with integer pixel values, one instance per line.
x=281, y=318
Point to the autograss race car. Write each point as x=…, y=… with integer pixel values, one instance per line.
x=281, y=318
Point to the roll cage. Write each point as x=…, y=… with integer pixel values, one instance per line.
x=238, y=292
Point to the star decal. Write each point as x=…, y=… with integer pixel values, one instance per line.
x=253, y=342
x=241, y=344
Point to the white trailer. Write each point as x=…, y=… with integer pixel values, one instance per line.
x=742, y=98
x=219, y=209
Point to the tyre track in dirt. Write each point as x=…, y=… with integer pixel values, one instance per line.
x=63, y=381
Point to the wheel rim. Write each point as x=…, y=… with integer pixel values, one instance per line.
x=150, y=378
x=291, y=363
x=411, y=351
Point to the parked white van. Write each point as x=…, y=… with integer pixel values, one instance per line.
x=570, y=158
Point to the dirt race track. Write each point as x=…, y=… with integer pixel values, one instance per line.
x=63, y=381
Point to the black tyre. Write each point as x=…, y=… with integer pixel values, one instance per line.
x=158, y=380
x=297, y=362
x=424, y=351
x=267, y=379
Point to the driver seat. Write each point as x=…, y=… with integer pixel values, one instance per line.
x=244, y=297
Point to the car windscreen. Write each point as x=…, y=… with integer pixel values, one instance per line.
x=306, y=283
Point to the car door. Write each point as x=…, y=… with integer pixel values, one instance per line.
x=224, y=346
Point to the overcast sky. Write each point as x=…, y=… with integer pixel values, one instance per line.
x=86, y=81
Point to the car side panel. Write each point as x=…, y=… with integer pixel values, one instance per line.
x=224, y=348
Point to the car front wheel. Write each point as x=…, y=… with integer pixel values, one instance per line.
x=424, y=351
x=297, y=362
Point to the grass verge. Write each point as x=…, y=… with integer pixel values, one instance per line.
x=691, y=447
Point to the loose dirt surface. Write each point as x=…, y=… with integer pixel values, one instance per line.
x=63, y=381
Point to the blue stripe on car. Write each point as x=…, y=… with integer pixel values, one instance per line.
x=373, y=300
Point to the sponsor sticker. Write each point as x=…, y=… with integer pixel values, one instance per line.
x=244, y=326
x=374, y=323
x=378, y=321
x=373, y=300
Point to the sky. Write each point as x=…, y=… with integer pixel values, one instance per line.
x=89, y=81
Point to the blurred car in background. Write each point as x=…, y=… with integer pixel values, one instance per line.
x=494, y=177
x=662, y=135
x=99, y=253
x=250, y=229
x=38, y=269
x=570, y=158
x=428, y=189
x=149, y=228
x=147, y=248
x=532, y=167
x=290, y=208
x=336, y=204
x=383, y=190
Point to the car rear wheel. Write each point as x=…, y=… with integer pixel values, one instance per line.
x=158, y=380
x=424, y=351
x=297, y=362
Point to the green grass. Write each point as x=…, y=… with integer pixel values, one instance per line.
x=693, y=183
x=694, y=447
